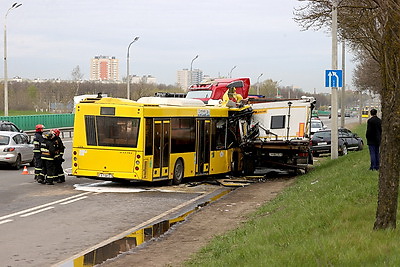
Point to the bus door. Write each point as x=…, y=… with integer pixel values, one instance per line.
x=203, y=133
x=161, y=148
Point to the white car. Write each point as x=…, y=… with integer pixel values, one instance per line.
x=317, y=125
x=15, y=149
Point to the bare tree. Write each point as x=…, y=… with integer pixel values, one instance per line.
x=269, y=88
x=367, y=74
x=374, y=27
x=77, y=77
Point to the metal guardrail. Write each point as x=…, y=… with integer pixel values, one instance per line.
x=64, y=132
x=28, y=122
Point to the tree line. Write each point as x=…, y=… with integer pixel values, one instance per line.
x=57, y=96
x=54, y=96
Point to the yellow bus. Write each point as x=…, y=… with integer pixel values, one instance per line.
x=153, y=139
x=365, y=111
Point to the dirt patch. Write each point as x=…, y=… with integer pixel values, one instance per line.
x=199, y=228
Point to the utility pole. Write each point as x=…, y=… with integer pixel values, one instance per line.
x=334, y=90
x=342, y=105
x=360, y=107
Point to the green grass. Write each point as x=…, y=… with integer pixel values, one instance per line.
x=324, y=219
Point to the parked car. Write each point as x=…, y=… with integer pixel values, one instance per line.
x=15, y=149
x=316, y=125
x=321, y=142
x=9, y=127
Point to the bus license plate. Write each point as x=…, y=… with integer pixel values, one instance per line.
x=276, y=154
x=105, y=175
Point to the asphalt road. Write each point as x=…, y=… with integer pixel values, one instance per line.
x=42, y=225
x=347, y=121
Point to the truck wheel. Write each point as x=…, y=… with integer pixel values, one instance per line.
x=235, y=165
x=248, y=167
x=178, y=172
x=310, y=159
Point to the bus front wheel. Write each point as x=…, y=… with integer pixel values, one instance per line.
x=178, y=172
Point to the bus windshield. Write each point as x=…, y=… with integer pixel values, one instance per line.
x=112, y=131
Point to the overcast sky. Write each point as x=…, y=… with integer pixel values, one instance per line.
x=49, y=38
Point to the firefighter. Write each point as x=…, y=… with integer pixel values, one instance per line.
x=231, y=98
x=58, y=159
x=48, y=150
x=37, y=142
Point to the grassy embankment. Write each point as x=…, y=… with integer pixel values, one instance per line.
x=324, y=219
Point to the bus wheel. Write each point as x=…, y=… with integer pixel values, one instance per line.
x=178, y=172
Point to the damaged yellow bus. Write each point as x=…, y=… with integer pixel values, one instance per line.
x=153, y=139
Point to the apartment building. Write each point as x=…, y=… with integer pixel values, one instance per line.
x=104, y=68
x=185, y=77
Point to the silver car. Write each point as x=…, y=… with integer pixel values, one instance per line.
x=15, y=149
x=317, y=125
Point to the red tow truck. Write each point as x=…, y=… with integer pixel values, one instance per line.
x=216, y=88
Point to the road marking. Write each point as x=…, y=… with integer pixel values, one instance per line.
x=37, y=211
x=42, y=206
x=6, y=221
x=73, y=200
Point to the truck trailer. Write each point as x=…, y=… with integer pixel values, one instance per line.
x=279, y=135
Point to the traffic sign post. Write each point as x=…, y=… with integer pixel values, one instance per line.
x=333, y=78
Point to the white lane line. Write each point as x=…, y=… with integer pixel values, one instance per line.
x=73, y=200
x=37, y=211
x=42, y=206
x=6, y=221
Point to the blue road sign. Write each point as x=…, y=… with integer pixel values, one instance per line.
x=333, y=78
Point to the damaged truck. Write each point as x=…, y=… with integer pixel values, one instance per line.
x=278, y=135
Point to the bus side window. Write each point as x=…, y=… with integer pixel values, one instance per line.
x=183, y=135
x=219, y=132
x=149, y=137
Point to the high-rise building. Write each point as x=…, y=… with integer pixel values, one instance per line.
x=104, y=68
x=186, y=77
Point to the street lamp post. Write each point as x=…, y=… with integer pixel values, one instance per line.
x=128, y=80
x=191, y=68
x=230, y=73
x=14, y=6
x=258, y=83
